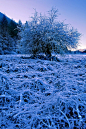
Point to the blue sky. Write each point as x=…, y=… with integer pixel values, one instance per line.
x=72, y=12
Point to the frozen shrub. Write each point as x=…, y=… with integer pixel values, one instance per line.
x=43, y=34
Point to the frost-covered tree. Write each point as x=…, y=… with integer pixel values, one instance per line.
x=44, y=34
x=20, y=30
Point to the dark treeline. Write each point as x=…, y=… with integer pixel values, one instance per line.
x=8, y=35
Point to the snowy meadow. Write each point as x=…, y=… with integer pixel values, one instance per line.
x=42, y=94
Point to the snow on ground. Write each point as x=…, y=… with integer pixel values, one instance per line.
x=41, y=94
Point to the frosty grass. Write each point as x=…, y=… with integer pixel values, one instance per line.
x=41, y=94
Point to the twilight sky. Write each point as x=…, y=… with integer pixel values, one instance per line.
x=72, y=12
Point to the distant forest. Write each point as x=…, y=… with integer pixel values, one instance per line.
x=8, y=35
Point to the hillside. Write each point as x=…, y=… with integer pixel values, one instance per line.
x=1, y=17
x=8, y=35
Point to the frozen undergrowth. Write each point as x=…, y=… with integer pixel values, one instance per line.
x=39, y=94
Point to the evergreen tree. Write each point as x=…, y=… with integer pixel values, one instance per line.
x=7, y=36
x=1, y=39
x=12, y=29
x=20, y=29
x=4, y=25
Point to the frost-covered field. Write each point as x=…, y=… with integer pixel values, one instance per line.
x=41, y=94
